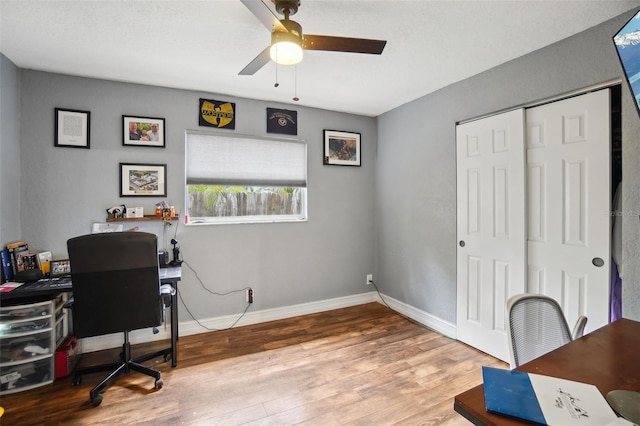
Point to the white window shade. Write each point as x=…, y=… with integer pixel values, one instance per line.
x=218, y=159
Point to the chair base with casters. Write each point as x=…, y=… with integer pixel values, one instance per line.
x=127, y=364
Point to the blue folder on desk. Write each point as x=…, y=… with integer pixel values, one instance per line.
x=543, y=399
x=511, y=393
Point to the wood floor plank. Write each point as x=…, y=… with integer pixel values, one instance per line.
x=360, y=365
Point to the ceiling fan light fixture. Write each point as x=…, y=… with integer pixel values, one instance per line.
x=287, y=41
x=286, y=48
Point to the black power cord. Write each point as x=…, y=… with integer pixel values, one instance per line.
x=177, y=262
x=215, y=294
x=379, y=294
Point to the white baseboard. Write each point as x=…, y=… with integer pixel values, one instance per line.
x=186, y=328
x=434, y=323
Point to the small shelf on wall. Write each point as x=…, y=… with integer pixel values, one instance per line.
x=145, y=218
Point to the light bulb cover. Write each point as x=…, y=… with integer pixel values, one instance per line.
x=286, y=48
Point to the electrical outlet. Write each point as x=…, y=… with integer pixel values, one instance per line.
x=249, y=295
x=369, y=279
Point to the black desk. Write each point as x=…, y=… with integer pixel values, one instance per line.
x=49, y=287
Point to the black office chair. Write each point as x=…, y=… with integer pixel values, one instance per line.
x=116, y=288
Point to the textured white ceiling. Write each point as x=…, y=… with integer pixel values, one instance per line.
x=203, y=44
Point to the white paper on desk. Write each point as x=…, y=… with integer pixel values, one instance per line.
x=102, y=227
x=565, y=402
x=543, y=399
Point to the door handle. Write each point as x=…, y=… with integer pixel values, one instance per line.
x=461, y=243
x=598, y=262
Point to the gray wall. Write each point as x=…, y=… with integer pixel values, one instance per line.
x=65, y=190
x=416, y=171
x=407, y=179
x=9, y=151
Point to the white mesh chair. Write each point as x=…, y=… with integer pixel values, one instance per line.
x=536, y=325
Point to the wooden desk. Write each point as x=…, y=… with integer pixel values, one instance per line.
x=608, y=358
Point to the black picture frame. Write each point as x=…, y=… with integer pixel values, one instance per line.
x=143, y=131
x=59, y=268
x=341, y=148
x=143, y=180
x=72, y=128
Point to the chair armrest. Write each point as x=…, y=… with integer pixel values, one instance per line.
x=578, y=329
x=68, y=304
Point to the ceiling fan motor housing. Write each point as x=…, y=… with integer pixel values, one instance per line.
x=293, y=27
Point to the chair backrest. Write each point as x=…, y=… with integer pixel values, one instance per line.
x=535, y=325
x=116, y=283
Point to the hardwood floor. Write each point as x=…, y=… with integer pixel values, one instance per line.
x=362, y=365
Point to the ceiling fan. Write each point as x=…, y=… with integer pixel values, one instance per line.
x=288, y=42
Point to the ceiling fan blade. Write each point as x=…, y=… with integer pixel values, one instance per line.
x=343, y=44
x=258, y=62
x=260, y=9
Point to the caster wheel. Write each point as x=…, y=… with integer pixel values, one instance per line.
x=76, y=381
x=167, y=357
x=97, y=400
x=159, y=383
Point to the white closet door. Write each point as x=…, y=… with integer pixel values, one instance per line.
x=490, y=227
x=568, y=191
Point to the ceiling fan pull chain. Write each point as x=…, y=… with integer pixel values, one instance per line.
x=277, y=84
x=295, y=83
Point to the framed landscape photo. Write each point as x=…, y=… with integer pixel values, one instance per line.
x=72, y=128
x=143, y=131
x=143, y=180
x=341, y=148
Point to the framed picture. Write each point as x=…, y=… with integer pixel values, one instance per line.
x=143, y=131
x=59, y=268
x=72, y=128
x=341, y=148
x=143, y=180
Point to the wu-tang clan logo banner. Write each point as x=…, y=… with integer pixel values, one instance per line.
x=217, y=114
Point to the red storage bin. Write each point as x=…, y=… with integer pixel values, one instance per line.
x=67, y=356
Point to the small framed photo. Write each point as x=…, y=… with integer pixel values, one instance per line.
x=341, y=148
x=143, y=131
x=59, y=268
x=72, y=128
x=143, y=180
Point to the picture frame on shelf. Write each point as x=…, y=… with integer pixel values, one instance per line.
x=59, y=268
x=341, y=148
x=143, y=180
x=143, y=131
x=72, y=128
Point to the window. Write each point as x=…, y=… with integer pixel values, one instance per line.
x=240, y=179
